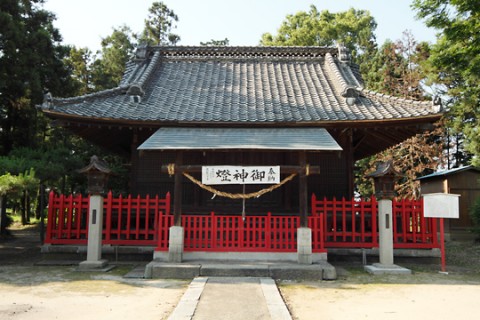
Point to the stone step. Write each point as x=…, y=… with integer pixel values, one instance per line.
x=276, y=270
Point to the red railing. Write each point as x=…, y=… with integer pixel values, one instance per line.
x=67, y=219
x=353, y=224
x=146, y=222
x=231, y=233
x=410, y=228
x=127, y=221
x=347, y=223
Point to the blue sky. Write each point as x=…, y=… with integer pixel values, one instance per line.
x=84, y=22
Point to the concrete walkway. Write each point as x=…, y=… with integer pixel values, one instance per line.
x=231, y=298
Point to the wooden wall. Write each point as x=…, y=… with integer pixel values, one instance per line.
x=466, y=184
x=331, y=182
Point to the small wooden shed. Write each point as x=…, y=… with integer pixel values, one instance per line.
x=464, y=181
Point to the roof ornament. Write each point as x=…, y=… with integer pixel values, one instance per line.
x=437, y=103
x=343, y=53
x=47, y=100
x=142, y=52
x=350, y=94
x=135, y=89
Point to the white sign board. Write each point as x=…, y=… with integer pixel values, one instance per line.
x=441, y=205
x=240, y=175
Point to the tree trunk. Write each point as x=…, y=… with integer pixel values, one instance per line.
x=23, y=209
x=42, y=207
x=3, y=216
x=27, y=207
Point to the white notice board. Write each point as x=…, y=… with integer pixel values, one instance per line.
x=441, y=205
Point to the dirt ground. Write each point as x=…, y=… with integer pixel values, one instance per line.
x=418, y=296
x=28, y=291
x=425, y=294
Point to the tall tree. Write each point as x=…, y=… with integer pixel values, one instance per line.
x=455, y=62
x=30, y=61
x=110, y=64
x=159, y=25
x=419, y=155
x=353, y=28
x=79, y=61
x=398, y=69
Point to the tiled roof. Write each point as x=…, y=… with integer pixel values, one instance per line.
x=173, y=138
x=239, y=85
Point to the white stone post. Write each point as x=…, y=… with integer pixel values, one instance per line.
x=175, y=244
x=385, y=229
x=95, y=227
x=304, y=245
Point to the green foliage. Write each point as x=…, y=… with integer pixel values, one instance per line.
x=30, y=61
x=213, y=42
x=158, y=26
x=117, y=49
x=353, y=28
x=364, y=185
x=475, y=215
x=79, y=61
x=455, y=62
x=397, y=68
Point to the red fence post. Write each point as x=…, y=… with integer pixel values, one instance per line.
x=268, y=232
x=167, y=203
x=374, y=206
x=51, y=217
x=241, y=235
x=322, y=231
x=107, y=206
x=213, y=235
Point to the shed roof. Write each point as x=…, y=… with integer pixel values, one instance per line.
x=449, y=172
x=239, y=85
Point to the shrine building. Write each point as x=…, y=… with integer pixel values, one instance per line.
x=302, y=110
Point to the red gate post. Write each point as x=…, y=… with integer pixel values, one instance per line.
x=51, y=218
x=442, y=245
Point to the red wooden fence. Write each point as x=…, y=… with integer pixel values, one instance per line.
x=127, y=221
x=231, y=233
x=146, y=222
x=353, y=224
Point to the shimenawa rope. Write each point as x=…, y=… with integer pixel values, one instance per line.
x=239, y=195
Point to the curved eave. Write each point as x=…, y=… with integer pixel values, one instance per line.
x=325, y=123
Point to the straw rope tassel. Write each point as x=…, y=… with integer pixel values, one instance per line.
x=239, y=195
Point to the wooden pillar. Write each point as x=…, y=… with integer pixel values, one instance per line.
x=348, y=149
x=134, y=159
x=303, y=196
x=177, y=200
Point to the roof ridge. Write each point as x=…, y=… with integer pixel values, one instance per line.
x=48, y=101
x=136, y=86
x=266, y=51
x=374, y=95
x=335, y=72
